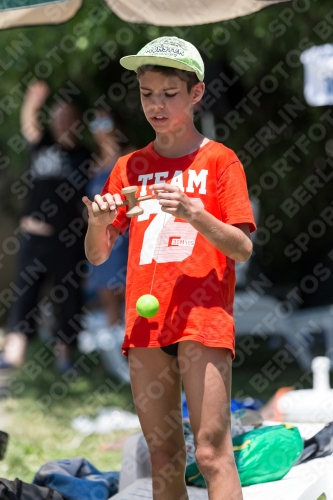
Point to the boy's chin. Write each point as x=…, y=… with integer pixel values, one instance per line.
x=161, y=130
x=164, y=128
x=159, y=124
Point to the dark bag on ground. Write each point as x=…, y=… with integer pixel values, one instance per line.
x=320, y=445
x=18, y=490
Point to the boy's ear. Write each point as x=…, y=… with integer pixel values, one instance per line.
x=197, y=92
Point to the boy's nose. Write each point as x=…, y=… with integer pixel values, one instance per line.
x=157, y=102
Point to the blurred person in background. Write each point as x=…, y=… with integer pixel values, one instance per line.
x=108, y=280
x=55, y=157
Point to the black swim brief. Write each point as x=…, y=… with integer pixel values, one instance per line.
x=171, y=349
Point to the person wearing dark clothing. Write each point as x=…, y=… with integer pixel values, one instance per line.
x=51, y=227
x=108, y=280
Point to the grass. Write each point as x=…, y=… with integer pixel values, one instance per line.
x=36, y=437
x=42, y=405
x=39, y=413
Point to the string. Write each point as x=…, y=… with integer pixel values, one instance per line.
x=159, y=239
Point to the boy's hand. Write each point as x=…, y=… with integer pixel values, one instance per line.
x=173, y=201
x=107, y=200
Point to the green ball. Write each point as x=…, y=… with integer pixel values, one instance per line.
x=147, y=306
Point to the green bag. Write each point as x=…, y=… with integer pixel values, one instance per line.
x=266, y=454
x=261, y=455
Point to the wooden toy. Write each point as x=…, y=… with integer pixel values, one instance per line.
x=133, y=211
x=147, y=306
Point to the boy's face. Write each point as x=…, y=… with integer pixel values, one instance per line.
x=166, y=102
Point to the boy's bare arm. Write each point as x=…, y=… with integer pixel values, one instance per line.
x=101, y=235
x=232, y=240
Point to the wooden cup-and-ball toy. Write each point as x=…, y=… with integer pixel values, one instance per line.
x=133, y=209
x=147, y=305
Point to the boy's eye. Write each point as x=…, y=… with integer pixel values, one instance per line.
x=148, y=94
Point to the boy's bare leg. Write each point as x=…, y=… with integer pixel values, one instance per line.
x=156, y=388
x=206, y=374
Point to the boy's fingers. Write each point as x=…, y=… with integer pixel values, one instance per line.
x=109, y=200
x=86, y=201
x=171, y=195
x=117, y=199
x=98, y=199
x=104, y=202
x=163, y=187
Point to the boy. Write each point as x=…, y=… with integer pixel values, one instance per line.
x=182, y=249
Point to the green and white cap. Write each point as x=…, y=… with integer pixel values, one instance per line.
x=169, y=51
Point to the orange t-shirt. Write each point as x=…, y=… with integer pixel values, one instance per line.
x=168, y=258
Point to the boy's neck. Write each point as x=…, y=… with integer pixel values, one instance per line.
x=177, y=145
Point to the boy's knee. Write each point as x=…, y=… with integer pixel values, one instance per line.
x=205, y=457
x=209, y=458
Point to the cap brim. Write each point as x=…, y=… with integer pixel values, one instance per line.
x=134, y=62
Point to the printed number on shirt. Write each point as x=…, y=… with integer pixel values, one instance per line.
x=166, y=240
